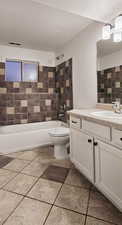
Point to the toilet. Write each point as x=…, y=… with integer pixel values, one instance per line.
x=60, y=139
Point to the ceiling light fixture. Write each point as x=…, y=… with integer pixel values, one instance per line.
x=118, y=22
x=115, y=30
x=117, y=36
x=107, y=31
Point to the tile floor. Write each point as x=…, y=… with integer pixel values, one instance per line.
x=36, y=189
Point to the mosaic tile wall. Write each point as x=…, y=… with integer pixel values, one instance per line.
x=26, y=102
x=109, y=84
x=64, y=88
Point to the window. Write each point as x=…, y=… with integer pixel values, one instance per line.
x=30, y=71
x=17, y=71
x=13, y=71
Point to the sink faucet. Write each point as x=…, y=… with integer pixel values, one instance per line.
x=116, y=107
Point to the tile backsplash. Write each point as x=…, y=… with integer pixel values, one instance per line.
x=25, y=102
x=109, y=83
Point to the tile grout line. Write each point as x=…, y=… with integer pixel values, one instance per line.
x=87, y=206
x=54, y=201
x=9, y=181
x=15, y=157
x=87, y=215
x=106, y=221
x=71, y=210
x=77, y=186
x=25, y=196
x=18, y=173
x=80, y=213
x=29, y=162
x=51, y=180
x=60, y=206
x=48, y=215
x=12, y=211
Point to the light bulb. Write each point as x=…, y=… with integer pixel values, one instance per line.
x=106, y=32
x=117, y=37
x=118, y=22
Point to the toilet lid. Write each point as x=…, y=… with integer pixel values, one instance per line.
x=59, y=132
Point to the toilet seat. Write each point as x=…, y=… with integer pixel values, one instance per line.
x=59, y=132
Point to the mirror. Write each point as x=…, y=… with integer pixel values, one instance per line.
x=109, y=71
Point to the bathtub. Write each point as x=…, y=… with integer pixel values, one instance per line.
x=18, y=137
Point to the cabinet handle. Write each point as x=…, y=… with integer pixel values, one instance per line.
x=120, y=139
x=95, y=143
x=89, y=140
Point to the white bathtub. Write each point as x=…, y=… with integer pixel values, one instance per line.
x=25, y=136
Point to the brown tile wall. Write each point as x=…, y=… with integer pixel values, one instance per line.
x=109, y=84
x=25, y=102
x=64, y=87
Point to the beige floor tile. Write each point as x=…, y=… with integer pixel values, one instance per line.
x=28, y=155
x=35, y=169
x=101, y=208
x=45, y=190
x=21, y=184
x=73, y=198
x=8, y=201
x=76, y=178
x=16, y=165
x=93, y=221
x=15, y=154
x=29, y=212
x=45, y=157
x=60, y=216
x=6, y=176
x=45, y=150
x=64, y=163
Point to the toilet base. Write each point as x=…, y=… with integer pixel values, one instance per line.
x=60, y=152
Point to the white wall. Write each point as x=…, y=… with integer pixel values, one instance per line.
x=83, y=50
x=43, y=57
x=109, y=61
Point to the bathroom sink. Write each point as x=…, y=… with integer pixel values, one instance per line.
x=107, y=114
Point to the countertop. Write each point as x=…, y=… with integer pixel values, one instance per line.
x=86, y=114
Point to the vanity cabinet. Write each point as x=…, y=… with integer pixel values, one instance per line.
x=108, y=171
x=82, y=153
x=96, y=150
x=117, y=137
x=95, y=129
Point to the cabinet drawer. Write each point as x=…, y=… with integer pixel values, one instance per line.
x=117, y=137
x=96, y=129
x=75, y=122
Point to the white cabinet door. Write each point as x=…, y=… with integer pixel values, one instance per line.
x=82, y=154
x=108, y=172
